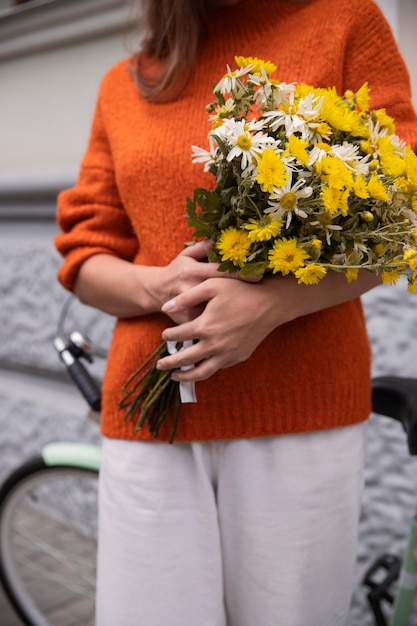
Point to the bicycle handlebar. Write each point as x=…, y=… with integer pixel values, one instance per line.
x=79, y=374
x=396, y=397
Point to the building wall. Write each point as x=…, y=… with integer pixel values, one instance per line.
x=47, y=99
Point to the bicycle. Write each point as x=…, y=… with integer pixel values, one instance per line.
x=391, y=580
x=48, y=505
x=48, y=515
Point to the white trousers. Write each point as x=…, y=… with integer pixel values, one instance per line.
x=253, y=532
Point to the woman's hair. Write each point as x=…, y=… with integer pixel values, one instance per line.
x=174, y=29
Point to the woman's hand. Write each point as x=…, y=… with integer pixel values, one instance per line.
x=185, y=272
x=125, y=289
x=239, y=315
x=236, y=317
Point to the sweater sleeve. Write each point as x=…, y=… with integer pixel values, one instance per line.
x=91, y=215
x=372, y=56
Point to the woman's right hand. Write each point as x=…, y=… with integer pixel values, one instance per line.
x=124, y=289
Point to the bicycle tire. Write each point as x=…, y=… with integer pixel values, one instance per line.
x=48, y=541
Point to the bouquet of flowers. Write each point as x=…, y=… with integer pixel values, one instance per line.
x=306, y=181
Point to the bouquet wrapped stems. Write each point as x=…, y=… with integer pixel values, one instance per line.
x=150, y=395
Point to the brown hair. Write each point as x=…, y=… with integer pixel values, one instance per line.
x=174, y=29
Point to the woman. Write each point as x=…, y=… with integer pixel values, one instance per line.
x=251, y=516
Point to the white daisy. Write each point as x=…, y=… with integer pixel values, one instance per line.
x=302, y=118
x=292, y=122
x=245, y=139
x=222, y=111
x=284, y=201
x=328, y=229
x=270, y=93
x=376, y=131
x=316, y=154
x=208, y=157
x=229, y=82
x=346, y=152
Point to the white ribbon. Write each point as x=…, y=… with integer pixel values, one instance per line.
x=187, y=389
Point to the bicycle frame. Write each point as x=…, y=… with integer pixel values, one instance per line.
x=407, y=583
x=396, y=398
x=71, y=453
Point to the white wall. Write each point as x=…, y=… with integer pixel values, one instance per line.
x=402, y=16
x=47, y=101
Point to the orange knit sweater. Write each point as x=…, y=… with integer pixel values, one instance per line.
x=129, y=201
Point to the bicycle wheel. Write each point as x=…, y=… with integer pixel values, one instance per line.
x=48, y=539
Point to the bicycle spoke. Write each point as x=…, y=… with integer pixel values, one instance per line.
x=50, y=545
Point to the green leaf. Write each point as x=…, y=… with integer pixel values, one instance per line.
x=213, y=257
x=227, y=266
x=254, y=269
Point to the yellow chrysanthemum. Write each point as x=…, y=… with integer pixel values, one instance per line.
x=377, y=189
x=271, y=171
x=257, y=64
x=311, y=274
x=385, y=120
x=233, y=245
x=360, y=188
x=415, y=235
x=344, y=202
x=323, y=129
x=302, y=90
x=351, y=274
x=355, y=121
x=362, y=97
x=334, y=114
x=367, y=147
x=286, y=256
x=323, y=146
x=391, y=164
x=390, y=278
x=414, y=203
x=402, y=184
x=297, y=148
x=331, y=199
x=335, y=200
x=409, y=253
x=412, y=264
x=335, y=173
x=379, y=249
x=411, y=167
x=412, y=283
x=264, y=229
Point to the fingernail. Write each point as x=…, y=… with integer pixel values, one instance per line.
x=168, y=306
